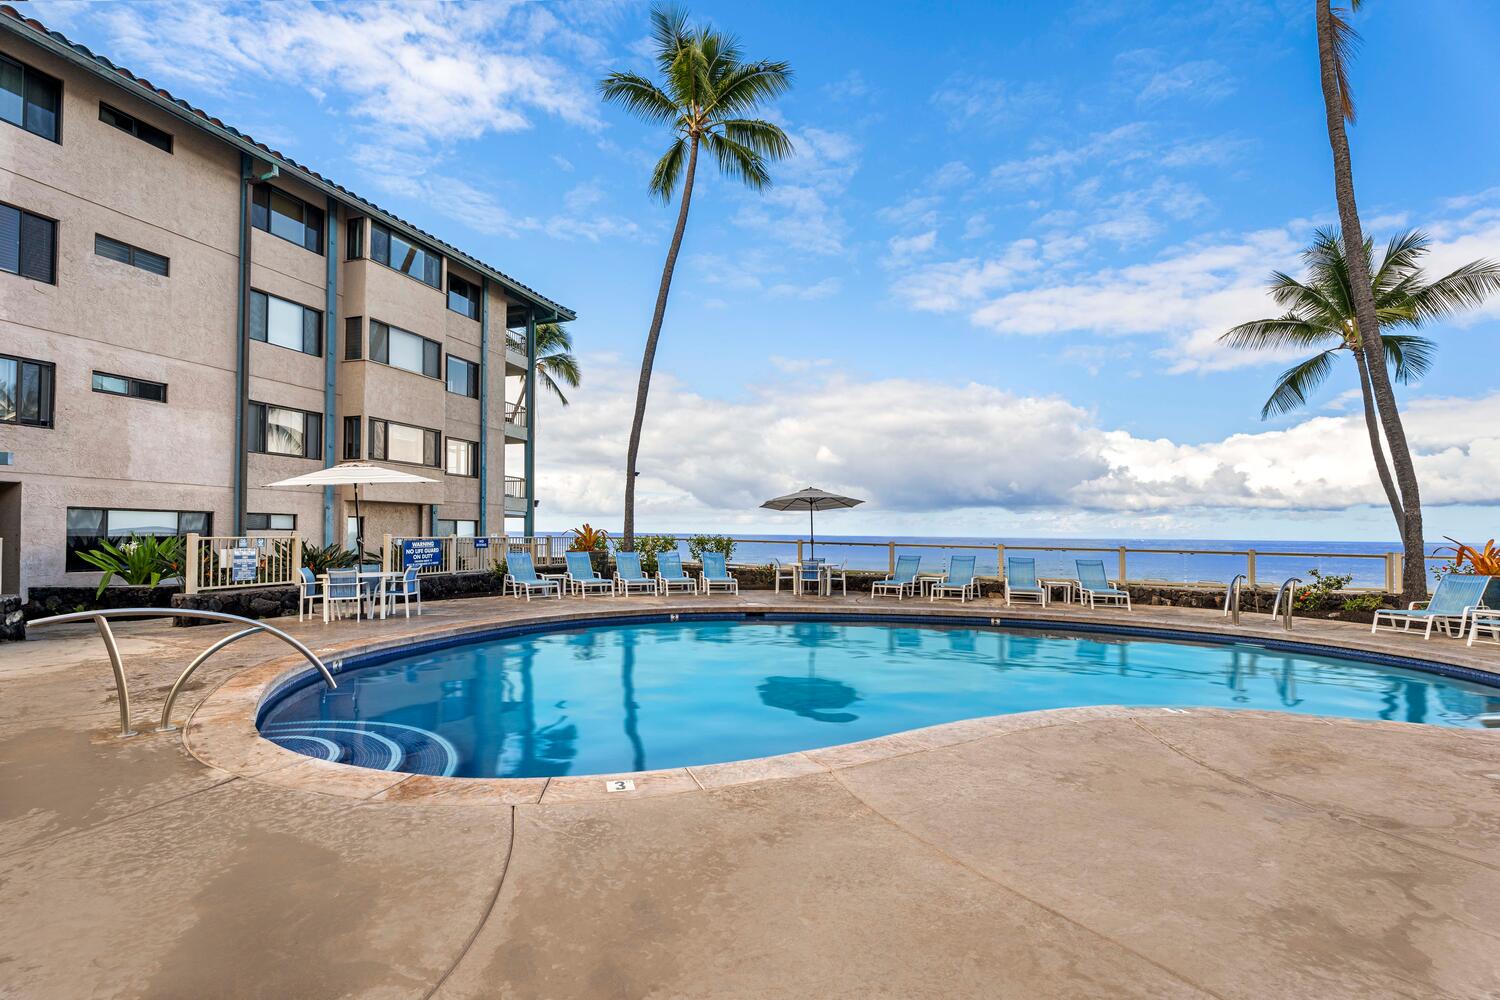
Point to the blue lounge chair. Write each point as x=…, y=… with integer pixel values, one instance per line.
x=903, y=581
x=1094, y=586
x=716, y=574
x=582, y=578
x=1454, y=601
x=521, y=577
x=629, y=577
x=959, y=584
x=1021, y=582
x=671, y=575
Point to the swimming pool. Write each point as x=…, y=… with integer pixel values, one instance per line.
x=647, y=694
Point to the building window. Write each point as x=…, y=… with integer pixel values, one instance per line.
x=396, y=252
x=354, y=530
x=463, y=296
x=113, y=249
x=354, y=239
x=461, y=458
x=88, y=525
x=293, y=219
x=354, y=338
x=403, y=349
x=285, y=324
x=136, y=388
x=30, y=99
x=26, y=391
x=463, y=529
x=270, y=522
x=141, y=130
x=281, y=430
x=28, y=244
x=393, y=442
x=463, y=377
x=351, y=438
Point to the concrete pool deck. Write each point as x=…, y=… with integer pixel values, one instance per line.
x=1080, y=853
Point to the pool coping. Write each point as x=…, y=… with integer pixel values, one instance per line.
x=222, y=731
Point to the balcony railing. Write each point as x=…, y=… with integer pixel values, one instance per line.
x=516, y=416
x=515, y=487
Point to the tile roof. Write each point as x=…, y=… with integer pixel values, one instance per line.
x=124, y=78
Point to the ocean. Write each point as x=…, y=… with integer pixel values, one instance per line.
x=1215, y=560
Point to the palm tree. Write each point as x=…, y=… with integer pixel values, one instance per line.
x=1336, y=39
x=1321, y=314
x=706, y=94
x=555, y=363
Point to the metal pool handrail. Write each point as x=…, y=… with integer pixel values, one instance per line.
x=1232, y=600
x=101, y=619
x=1289, y=588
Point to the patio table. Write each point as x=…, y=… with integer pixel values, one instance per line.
x=1066, y=586
x=1484, y=621
x=926, y=579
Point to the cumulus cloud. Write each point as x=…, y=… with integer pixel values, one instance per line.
x=971, y=447
x=800, y=209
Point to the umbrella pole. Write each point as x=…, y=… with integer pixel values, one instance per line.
x=359, y=529
x=812, y=536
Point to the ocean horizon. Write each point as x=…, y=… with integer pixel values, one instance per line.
x=1274, y=561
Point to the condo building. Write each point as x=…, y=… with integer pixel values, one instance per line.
x=187, y=315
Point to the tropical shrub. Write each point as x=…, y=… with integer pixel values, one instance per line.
x=699, y=544
x=1483, y=562
x=1364, y=602
x=649, y=547
x=142, y=561
x=1320, y=592
x=322, y=558
x=589, y=539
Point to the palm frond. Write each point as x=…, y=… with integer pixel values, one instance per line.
x=1464, y=288
x=639, y=96
x=669, y=33
x=1295, y=384
x=737, y=160
x=558, y=368
x=553, y=338
x=1307, y=301
x=745, y=87
x=1345, y=41
x=1409, y=356
x=668, y=169
x=762, y=137
x=1403, y=256
x=1275, y=334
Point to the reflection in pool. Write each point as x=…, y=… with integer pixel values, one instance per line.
x=632, y=697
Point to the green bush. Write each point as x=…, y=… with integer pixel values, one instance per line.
x=649, y=547
x=1319, y=592
x=143, y=561
x=322, y=558
x=699, y=544
x=1364, y=602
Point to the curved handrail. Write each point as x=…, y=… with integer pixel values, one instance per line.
x=1289, y=588
x=1232, y=599
x=101, y=619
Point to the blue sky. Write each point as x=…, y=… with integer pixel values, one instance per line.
x=983, y=293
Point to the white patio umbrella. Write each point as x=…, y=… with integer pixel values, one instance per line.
x=811, y=499
x=354, y=474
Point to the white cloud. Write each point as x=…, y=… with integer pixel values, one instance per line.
x=904, y=249
x=416, y=71
x=1121, y=144
x=797, y=211
x=973, y=447
x=1200, y=80
x=969, y=101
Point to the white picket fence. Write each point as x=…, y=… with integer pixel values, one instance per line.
x=231, y=562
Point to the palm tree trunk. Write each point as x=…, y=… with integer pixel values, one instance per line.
x=1414, y=575
x=1382, y=468
x=643, y=388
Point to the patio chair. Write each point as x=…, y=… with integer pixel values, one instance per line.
x=902, y=582
x=582, y=578
x=521, y=577
x=341, y=590
x=1021, y=582
x=1454, y=601
x=671, y=575
x=629, y=577
x=839, y=576
x=784, y=571
x=1093, y=586
x=309, y=592
x=809, y=573
x=405, y=588
x=716, y=574
x=960, y=584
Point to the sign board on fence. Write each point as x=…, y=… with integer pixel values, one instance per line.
x=421, y=552
x=480, y=542
x=243, y=565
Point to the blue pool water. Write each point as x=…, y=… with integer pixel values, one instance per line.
x=631, y=697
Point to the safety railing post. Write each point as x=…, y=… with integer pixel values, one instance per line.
x=191, y=567
x=1390, y=572
x=385, y=554
x=1000, y=562
x=1122, y=566
x=891, y=559
x=799, y=551
x=1250, y=568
